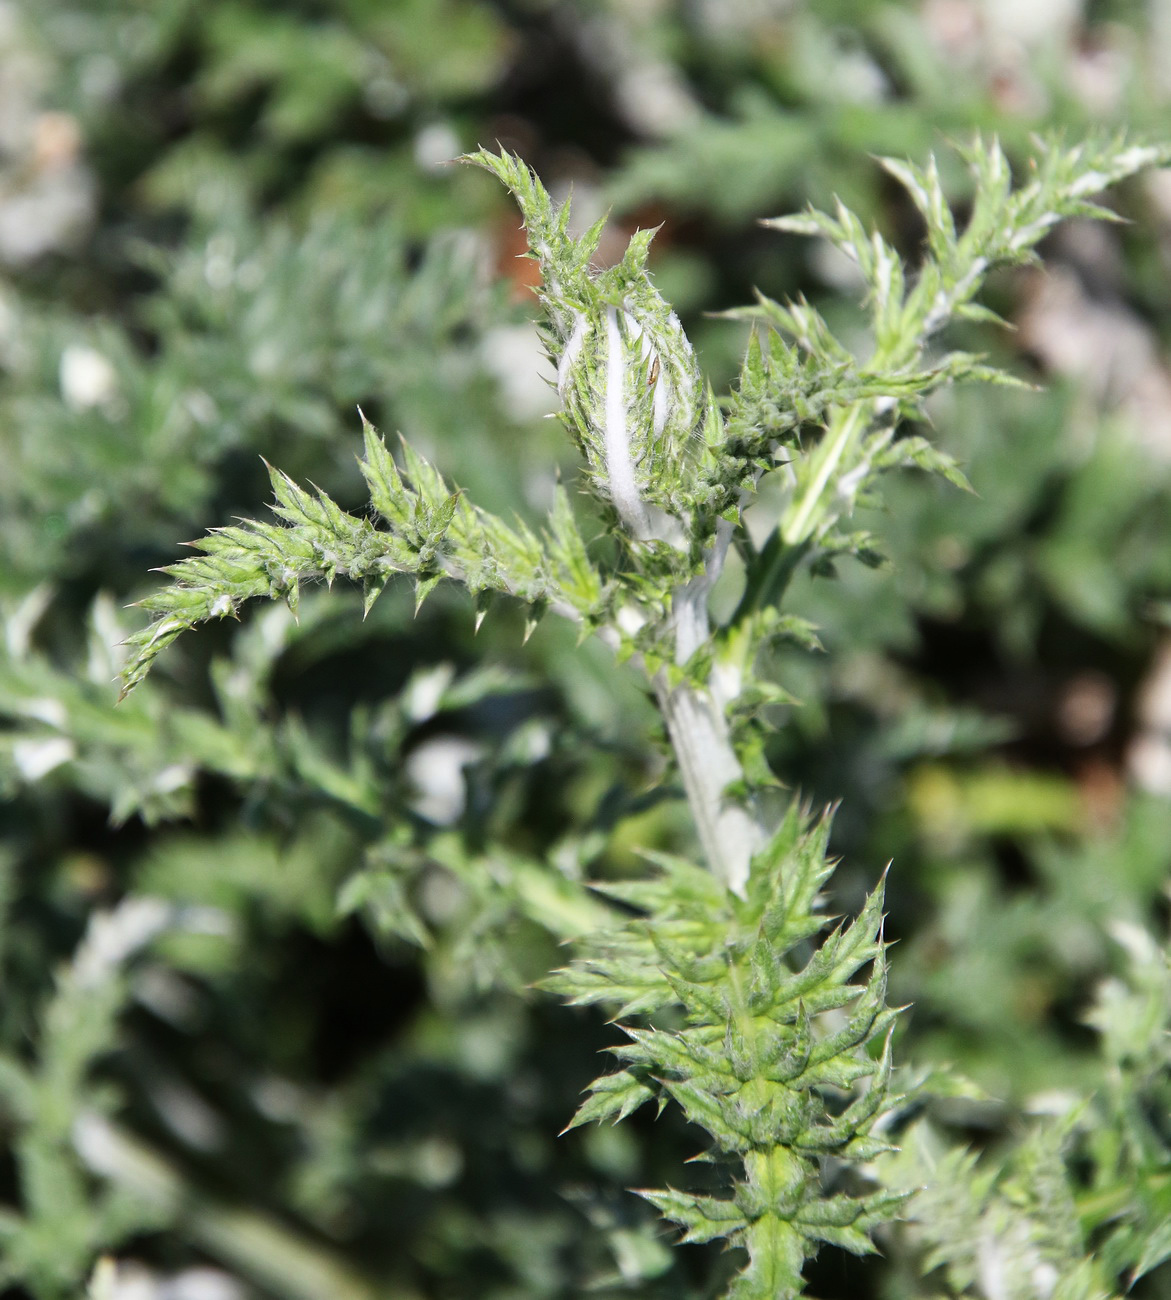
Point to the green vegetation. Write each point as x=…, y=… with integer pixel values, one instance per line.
x=311, y=941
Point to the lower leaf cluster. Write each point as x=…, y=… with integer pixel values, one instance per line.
x=763, y=1039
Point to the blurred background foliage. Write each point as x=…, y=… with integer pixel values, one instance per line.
x=269, y=928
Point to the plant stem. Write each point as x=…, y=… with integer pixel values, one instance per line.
x=769, y=575
x=262, y=1248
x=699, y=735
x=698, y=730
x=800, y=525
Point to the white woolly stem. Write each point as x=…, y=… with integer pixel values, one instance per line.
x=616, y=442
x=699, y=735
x=689, y=603
x=698, y=729
x=571, y=352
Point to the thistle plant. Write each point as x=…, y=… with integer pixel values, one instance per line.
x=741, y=1002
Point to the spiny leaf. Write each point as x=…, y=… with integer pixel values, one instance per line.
x=613, y=1097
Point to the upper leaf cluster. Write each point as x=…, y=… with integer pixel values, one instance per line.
x=786, y=388
x=634, y=398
